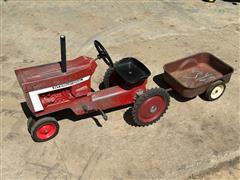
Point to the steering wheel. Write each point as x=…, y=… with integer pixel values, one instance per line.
x=103, y=54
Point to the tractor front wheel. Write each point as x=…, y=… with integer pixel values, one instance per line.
x=30, y=123
x=44, y=129
x=150, y=106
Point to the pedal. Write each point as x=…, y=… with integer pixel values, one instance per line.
x=103, y=115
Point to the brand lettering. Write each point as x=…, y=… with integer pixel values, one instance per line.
x=67, y=84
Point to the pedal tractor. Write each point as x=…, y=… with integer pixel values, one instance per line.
x=63, y=85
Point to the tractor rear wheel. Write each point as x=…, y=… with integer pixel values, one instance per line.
x=150, y=106
x=111, y=78
x=44, y=129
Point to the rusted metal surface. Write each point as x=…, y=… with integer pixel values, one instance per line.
x=191, y=76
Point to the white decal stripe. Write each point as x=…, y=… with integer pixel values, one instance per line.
x=34, y=95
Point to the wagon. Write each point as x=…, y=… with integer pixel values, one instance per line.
x=202, y=73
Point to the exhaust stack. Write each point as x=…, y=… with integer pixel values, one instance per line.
x=63, y=54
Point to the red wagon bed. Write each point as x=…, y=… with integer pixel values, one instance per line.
x=192, y=76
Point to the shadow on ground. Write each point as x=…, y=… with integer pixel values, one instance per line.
x=69, y=114
x=159, y=80
x=234, y=2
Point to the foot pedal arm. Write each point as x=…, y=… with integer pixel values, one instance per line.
x=103, y=114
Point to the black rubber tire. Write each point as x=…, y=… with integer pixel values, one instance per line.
x=30, y=123
x=211, y=88
x=142, y=98
x=41, y=122
x=108, y=74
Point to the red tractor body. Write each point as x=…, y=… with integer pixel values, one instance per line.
x=45, y=86
x=67, y=85
x=48, y=90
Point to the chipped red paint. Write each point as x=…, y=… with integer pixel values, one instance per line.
x=102, y=99
x=43, y=76
x=33, y=78
x=77, y=97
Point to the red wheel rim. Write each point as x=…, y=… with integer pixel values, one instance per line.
x=151, y=109
x=46, y=131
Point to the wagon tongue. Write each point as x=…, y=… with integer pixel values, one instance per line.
x=63, y=54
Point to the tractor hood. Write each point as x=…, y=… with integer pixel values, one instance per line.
x=47, y=75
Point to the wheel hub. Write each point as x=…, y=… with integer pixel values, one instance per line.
x=217, y=91
x=151, y=109
x=46, y=131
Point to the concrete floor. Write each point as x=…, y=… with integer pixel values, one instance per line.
x=191, y=137
x=223, y=171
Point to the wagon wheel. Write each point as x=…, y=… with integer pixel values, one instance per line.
x=111, y=78
x=44, y=129
x=150, y=106
x=215, y=90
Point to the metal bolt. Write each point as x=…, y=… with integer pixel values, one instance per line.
x=153, y=109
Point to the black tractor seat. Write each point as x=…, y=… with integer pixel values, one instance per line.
x=132, y=70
